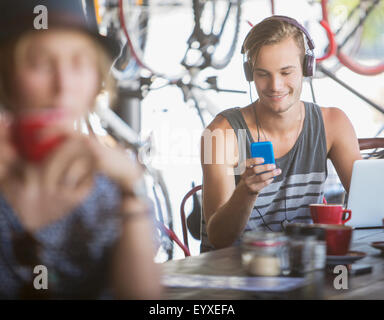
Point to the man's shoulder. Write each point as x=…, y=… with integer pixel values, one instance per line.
x=336, y=124
x=221, y=120
x=333, y=115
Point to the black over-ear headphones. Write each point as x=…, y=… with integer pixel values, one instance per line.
x=309, y=64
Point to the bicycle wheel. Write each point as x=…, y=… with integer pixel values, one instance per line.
x=359, y=33
x=163, y=214
x=127, y=22
x=343, y=17
x=133, y=17
x=216, y=31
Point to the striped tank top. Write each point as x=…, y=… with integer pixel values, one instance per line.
x=301, y=182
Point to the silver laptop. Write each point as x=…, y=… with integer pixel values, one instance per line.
x=366, y=193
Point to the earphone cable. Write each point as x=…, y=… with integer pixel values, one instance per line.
x=250, y=91
x=266, y=225
x=312, y=90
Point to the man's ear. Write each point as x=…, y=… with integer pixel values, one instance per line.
x=248, y=72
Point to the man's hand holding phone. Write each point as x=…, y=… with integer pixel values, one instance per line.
x=258, y=175
x=260, y=169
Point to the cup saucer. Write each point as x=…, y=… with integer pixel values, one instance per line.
x=349, y=258
x=378, y=245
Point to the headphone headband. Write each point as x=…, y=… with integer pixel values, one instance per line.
x=309, y=59
x=294, y=22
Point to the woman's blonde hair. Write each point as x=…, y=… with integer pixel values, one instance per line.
x=268, y=32
x=9, y=59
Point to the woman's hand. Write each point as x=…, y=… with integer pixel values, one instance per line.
x=117, y=164
x=67, y=177
x=73, y=165
x=258, y=175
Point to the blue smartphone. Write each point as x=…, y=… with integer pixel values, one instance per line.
x=263, y=150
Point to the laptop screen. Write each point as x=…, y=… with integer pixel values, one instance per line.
x=366, y=193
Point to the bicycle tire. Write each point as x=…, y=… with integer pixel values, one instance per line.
x=165, y=242
x=349, y=62
x=165, y=214
x=352, y=47
x=207, y=40
x=336, y=65
x=164, y=191
x=130, y=61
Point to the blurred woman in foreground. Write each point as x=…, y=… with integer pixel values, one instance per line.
x=68, y=206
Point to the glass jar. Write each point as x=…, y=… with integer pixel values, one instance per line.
x=300, y=254
x=265, y=253
x=307, y=249
x=319, y=256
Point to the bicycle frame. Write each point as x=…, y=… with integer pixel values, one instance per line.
x=121, y=131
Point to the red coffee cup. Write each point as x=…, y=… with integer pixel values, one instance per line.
x=338, y=238
x=28, y=134
x=329, y=213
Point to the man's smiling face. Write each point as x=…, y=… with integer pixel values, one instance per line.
x=278, y=75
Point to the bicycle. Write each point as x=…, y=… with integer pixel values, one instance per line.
x=105, y=121
x=127, y=72
x=120, y=19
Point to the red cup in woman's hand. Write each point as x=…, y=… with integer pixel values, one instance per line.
x=31, y=136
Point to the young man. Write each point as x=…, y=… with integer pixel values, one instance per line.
x=303, y=135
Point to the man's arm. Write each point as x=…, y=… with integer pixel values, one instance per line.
x=227, y=207
x=342, y=143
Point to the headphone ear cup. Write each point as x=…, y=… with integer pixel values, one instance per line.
x=309, y=65
x=248, y=71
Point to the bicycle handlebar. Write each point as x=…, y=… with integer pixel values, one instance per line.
x=212, y=86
